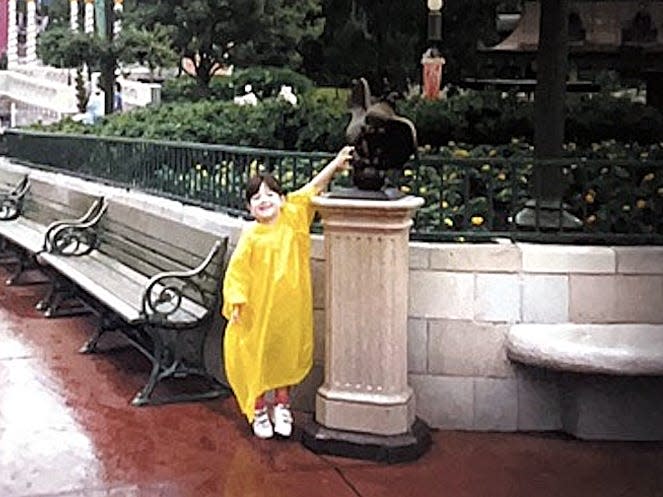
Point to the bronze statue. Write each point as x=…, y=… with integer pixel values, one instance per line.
x=383, y=141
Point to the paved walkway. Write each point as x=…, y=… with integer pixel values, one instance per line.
x=67, y=429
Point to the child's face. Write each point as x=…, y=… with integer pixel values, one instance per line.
x=265, y=205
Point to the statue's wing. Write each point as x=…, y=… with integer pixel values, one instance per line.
x=394, y=139
x=359, y=101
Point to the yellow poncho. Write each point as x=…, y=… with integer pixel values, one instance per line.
x=269, y=274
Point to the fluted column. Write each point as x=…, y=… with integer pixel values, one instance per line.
x=365, y=389
x=12, y=36
x=88, y=20
x=31, y=32
x=73, y=15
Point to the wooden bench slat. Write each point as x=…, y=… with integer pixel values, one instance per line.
x=120, y=288
x=163, y=229
x=25, y=233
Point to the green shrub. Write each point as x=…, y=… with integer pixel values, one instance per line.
x=185, y=89
x=266, y=82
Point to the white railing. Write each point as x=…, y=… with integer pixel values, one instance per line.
x=46, y=94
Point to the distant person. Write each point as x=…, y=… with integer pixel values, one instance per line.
x=95, y=109
x=117, y=98
x=267, y=299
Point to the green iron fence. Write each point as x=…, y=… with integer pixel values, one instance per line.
x=611, y=201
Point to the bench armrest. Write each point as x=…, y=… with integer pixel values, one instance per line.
x=75, y=237
x=164, y=293
x=11, y=203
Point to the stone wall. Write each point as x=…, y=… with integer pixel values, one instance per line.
x=464, y=297
x=462, y=300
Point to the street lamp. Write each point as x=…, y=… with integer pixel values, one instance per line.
x=432, y=61
x=435, y=20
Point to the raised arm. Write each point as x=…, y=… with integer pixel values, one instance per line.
x=339, y=163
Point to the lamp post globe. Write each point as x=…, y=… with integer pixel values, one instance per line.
x=435, y=5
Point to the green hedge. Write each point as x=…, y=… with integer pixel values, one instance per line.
x=319, y=120
x=266, y=82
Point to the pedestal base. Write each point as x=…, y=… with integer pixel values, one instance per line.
x=388, y=449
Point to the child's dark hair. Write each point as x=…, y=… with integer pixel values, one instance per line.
x=253, y=185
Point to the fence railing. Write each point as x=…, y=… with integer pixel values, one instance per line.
x=604, y=201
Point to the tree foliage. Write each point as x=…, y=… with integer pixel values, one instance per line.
x=386, y=38
x=214, y=33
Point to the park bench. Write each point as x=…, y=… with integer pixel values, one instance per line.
x=12, y=182
x=32, y=212
x=609, y=376
x=154, y=279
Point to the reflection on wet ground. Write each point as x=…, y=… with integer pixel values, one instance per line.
x=67, y=429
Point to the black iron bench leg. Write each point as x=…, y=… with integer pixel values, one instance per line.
x=156, y=357
x=171, y=364
x=63, y=300
x=21, y=267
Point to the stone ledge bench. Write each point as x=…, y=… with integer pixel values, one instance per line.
x=609, y=377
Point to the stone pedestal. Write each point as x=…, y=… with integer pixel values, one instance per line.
x=365, y=407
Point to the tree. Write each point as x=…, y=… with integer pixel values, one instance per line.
x=386, y=38
x=151, y=48
x=214, y=33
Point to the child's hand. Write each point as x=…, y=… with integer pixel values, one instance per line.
x=344, y=157
x=234, y=318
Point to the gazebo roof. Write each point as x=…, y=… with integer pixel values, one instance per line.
x=594, y=27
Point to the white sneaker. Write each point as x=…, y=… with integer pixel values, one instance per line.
x=282, y=420
x=262, y=426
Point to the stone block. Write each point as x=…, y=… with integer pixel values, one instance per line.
x=317, y=247
x=639, y=260
x=616, y=299
x=482, y=257
x=602, y=407
x=538, y=400
x=318, y=283
x=538, y=258
x=419, y=254
x=303, y=395
x=545, y=298
x=417, y=345
x=467, y=348
x=438, y=294
x=497, y=298
x=444, y=402
x=495, y=404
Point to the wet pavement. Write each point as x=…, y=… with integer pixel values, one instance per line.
x=67, y=429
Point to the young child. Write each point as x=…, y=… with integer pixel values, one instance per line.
x=267, y=299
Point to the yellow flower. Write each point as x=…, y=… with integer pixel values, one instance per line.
x=461, y=153
x=445, y=204
x=648, y=177
x=492, y=152
x=485, y=168
x=477, y=220
x=405, y=189
x=408, y=172
x=422, y=189
x=501, y=176
x=198, y=167
x=641, y=204
x=449, y=222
